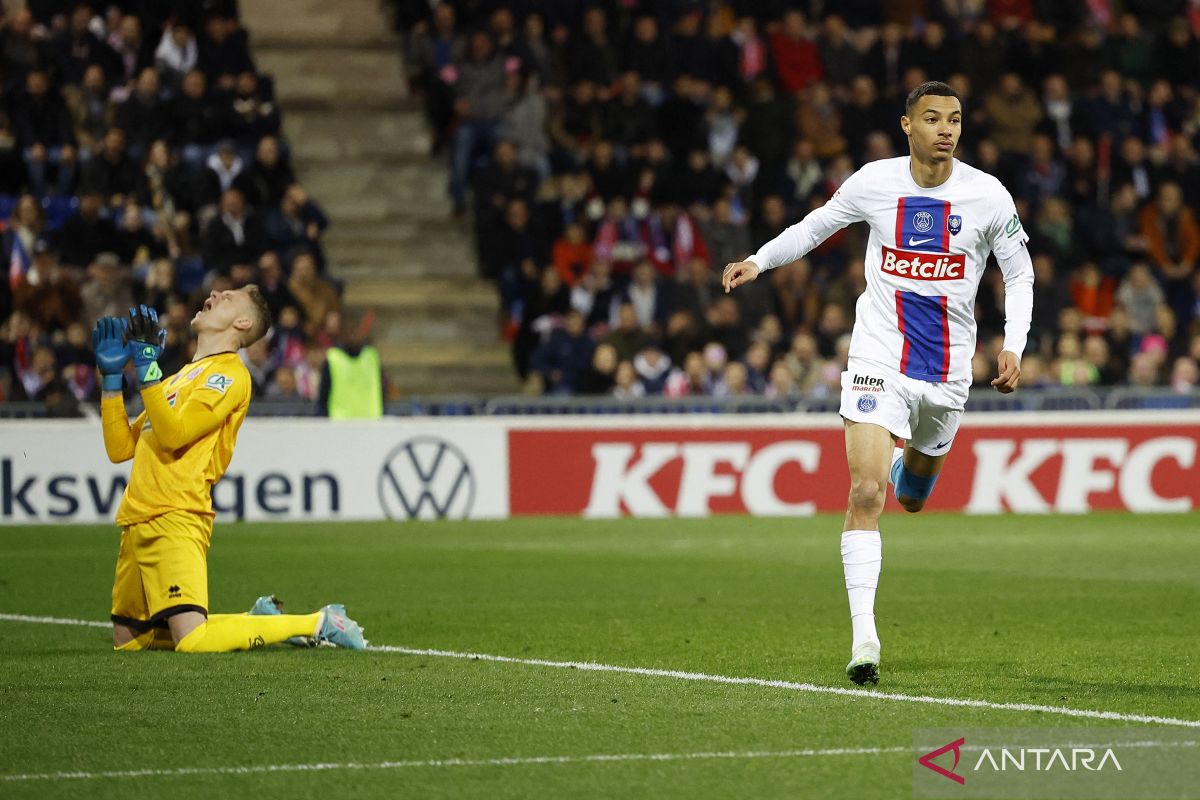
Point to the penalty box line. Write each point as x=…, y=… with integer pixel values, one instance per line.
x=702, y=677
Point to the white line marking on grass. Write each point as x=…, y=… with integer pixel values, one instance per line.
x=89, y=623
x=796, y=687
x=703, y=677
x=452, y=762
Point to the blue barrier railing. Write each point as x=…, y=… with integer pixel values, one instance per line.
x=983, y=399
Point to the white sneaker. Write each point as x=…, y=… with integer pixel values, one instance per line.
x=864, y=664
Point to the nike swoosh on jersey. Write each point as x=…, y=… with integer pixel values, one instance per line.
x=914, y=241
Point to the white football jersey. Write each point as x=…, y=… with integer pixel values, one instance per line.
x=925, y=256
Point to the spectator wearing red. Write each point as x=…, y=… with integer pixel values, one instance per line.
x=1173, y=239
x=572, y=254
x=1093, y=294
x=1010, y=14
x=797, y=59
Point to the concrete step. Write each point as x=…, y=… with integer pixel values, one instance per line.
x=399, y=231
x=336, y=77
x=301, y=23
x=466, y=379
x=384, y=136
x=360, y=146
x=413, y=354
x=381, y=260
x=418, y=369
x=367, y=191
x=424, y=295
x=435, y=311
x=437, y=330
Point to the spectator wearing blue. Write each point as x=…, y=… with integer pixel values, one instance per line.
x=478, y=104
x=564, y=356
x=195, y=122
x=145, y=116
x=77, y=48
x=234, y=236
x=653, y=367
x=298, y=222
x=650, y=300
x=44, y=132
x=268, y=176
x=112, y=172
x=252, y=113
x=87, y=233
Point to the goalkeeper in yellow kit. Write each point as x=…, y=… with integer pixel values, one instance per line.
x=181, y=445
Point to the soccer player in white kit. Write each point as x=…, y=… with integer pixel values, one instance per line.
x=933, y=222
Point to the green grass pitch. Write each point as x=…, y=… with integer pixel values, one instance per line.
x=1091, y=612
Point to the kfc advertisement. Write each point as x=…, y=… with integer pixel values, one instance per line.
x=1023, y=464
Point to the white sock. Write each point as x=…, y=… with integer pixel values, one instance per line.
x=897, y=454
x=862, y=555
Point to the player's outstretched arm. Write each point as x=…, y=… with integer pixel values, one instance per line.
x=108, y=343
x=796, y=241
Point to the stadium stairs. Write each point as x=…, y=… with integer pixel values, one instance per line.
x=360, y=146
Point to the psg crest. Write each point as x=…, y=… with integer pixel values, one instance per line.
x=954, y=223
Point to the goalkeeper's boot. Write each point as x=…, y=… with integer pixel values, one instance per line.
x=339, y=630
x=269, y=605
x=863, y=668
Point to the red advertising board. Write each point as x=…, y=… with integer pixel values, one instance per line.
x=771, y=469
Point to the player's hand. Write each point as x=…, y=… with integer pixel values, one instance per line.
x=108, y=343
x=145, y=341
x=738, y=273
x=1010, y=372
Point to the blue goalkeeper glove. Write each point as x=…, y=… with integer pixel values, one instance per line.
x=144, y=343
x=108, y=342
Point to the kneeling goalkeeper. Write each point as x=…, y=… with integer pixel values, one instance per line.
x=181, y=445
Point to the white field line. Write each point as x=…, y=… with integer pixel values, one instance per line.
x=797, y=687
x=88, y=623
x=703, y=677
x=602, y=758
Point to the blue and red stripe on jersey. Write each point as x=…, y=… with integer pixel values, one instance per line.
x=926, y=331
x=921, y=224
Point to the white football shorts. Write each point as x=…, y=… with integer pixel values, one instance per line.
x=924, y=414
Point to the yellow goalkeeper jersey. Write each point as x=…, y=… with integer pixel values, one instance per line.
x=199, y=410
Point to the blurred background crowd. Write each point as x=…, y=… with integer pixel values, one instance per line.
x=614, y=156
x=141, y=161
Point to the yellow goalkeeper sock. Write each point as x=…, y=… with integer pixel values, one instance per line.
x=225, y=633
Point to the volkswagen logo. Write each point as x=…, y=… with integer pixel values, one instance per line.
x=426, y=478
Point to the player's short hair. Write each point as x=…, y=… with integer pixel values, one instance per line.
x=260, y=315
x=935, y=88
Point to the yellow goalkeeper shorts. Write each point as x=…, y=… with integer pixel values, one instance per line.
x=162, y=569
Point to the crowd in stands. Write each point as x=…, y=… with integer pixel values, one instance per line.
x=141, y=161
x=614, y=156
